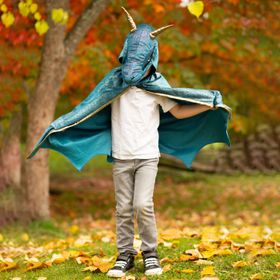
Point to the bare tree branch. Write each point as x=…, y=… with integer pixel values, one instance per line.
x=83, y=24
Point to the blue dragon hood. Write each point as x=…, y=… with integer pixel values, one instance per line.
x=85, y=131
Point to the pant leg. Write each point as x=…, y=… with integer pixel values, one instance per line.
x=123, y=177
x=145, y=176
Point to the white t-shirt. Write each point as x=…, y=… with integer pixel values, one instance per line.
x=135, y=120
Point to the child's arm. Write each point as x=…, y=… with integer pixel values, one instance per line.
x=184, y=111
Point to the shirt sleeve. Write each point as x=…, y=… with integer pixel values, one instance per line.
x=166, y=103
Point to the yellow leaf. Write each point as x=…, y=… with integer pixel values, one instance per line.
x=37, y=16
x=75, y=254
x=261, y=252
x=167, y=260
x=34, y=263
x=82, y=241
x=57, y=259
x=42, y=278
x=184, y=257
x=1, y=237
x=90, y=268
x=193, y=252
x=16, y=278
x=33, y=8
x=239, y=264
x=256, y=276
x=84, y=260
x=7, y=264
x=208, y=270
x=189, y=270
x=23, y=9
x=167, y=267
x=74, y=229
x=196, y=8
x=41, y=27
x=218, y=252
x=87, y=278
x=277, y=264
x=3, y=8
x=170, y=234
x=129, y=277
x=7, y=19
x=24, y=237
x=59, y=15
x=203, y=262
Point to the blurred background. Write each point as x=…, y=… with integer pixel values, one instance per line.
x=53, y=54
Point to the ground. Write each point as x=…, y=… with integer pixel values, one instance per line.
x=209, y=227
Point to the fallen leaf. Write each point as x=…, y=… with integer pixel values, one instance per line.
x=167, y=267
x=74, y=229
x=203, y=262
x=24, y=237
x=261, y=252
x=256, y=276
x=7, y=264
x=217, y=252
x=166, y=260
x=208, y=270
x=34, y=263
x=90, y=268
x=239, y=264
x=57, y=259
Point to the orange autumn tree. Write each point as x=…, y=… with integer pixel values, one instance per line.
x=227, y=45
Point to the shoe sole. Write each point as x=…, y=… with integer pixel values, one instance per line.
x=154, y=271
x=115, y=273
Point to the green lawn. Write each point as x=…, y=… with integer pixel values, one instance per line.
x=246, y=207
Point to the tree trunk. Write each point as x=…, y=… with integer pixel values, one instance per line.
x=57, y=51
x=41, y=109
x=10, y=156
x=10, y=169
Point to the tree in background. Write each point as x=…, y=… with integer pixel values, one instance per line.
x=58, y=48
x=232, y=47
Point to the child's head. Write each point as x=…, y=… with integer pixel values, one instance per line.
x=139, y=55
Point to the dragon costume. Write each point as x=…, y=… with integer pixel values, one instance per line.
x=85, y=131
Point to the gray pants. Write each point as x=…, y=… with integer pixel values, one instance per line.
x=134, y=181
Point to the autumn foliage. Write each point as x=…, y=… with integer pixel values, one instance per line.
x=231, y=46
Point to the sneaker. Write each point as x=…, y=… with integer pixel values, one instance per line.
x=151, y=263
x=123, y=263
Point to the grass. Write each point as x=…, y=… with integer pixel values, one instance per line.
x=182, y=199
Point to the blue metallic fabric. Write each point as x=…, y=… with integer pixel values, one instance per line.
x=85, y=131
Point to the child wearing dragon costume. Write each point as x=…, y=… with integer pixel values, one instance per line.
x=132, y=132
x=135, y=152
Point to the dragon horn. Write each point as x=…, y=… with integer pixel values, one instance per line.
x=154, y=33
x=130, y=19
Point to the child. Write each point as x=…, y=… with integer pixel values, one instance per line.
x=135, y=152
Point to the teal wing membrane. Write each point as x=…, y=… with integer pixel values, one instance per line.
x=85, y=131
x=183, y=138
